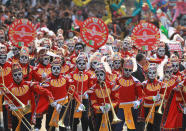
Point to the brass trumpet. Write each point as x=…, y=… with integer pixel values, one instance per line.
x=115, y=118
x=160, y=107
x=61, y=122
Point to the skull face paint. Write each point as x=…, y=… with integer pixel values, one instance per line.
x=94, y=64
x=3, y=59
x=127, y=72
x=15, y=50
x=45, y=60
x=175, y=66
x=100, y=76
x=56, y=70
x=125, y=44
x=71, y=48
x=161, y=51
x=152, y=74
x=78, y=48
x=81, y=65
x=168, y=73
x=60, y=43
x=18, y=76
x=115, y=48
x=117, y=64
x=23, y=59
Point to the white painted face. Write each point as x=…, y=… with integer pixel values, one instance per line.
x=161, y=51
x=81, y=65
x=94, y=64
x=125, y=44
x=100, y=76
x=117, y=64
x=168, y=73
x=152, y=74
x=15, y=50
x=3, y=59
x=56, y=70
x=45, y=60
x=23, y=59
x=18, y=76
x=60, y=43
x=127, y=72
x=115, y=48
x=78, y=48
x=175, y=66
x=71, y=48
x=111, y=64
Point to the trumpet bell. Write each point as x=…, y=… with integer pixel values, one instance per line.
x=116, y=121
x=61, y=124
x=160, y=112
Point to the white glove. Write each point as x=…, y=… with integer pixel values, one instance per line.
x=157, y=97
x=136, y=104
x=13, y=107
x=58, y=108
x=44, y=75
x=54, y=104
x=81, y=108
x=184, y=110
x=105, y=108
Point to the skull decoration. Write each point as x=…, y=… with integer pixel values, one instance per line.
x=17, y=73
x=71, y=45
x=100, y=73
x=60, y=43
x=168, y=70
x=44, y=58
x=116, y=45
x=24, y=56
x=152, y=71
x=127, y=67
x=3, y=54
x=95, y=60
x=81, y=61
x=126, y=43
x=110, y=62
x=94, y=64
x=175, y=63
x=56, y=66
x=161, y=52
x=15, y=50
x=79, y=48
x=117, y=60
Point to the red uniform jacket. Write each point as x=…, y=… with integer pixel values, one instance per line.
x=129, y=89
x=28, y=76
x=97, y=98
x=7, y=73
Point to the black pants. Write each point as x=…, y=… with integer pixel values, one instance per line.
x=38, y=122
x=157, y=122
x=98, y=119
x=120, y=114
x=15, y=122
x=184, y=121
x=84, y=119
x=49, y=116
x=5, y=118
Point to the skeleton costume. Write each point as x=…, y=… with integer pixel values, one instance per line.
x=81, y=79
x=130, y=93
x=151, y=89
x=6, y=75
x=58, y=87
x=41, y=72
x=99, y=99
x=24, y=92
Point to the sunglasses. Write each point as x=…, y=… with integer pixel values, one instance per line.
x=130, y=70
x=17, y=74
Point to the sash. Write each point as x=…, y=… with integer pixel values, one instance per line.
x=55, y=115
x=128, y=115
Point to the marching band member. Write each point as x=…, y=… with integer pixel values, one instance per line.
x=117, y=63
x=16, y=52
x=130, y=92
x=160, y=53
x=100, y=101
x=152, y=98
x=58, y=87
x=6, y=75
x=125, y=47
x=24, y=92
x=82, y=81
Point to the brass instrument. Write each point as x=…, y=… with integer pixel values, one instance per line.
x=61, y=122
x=160, y=107
x=25, y=108
x=181, y=93
x=115, y=118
